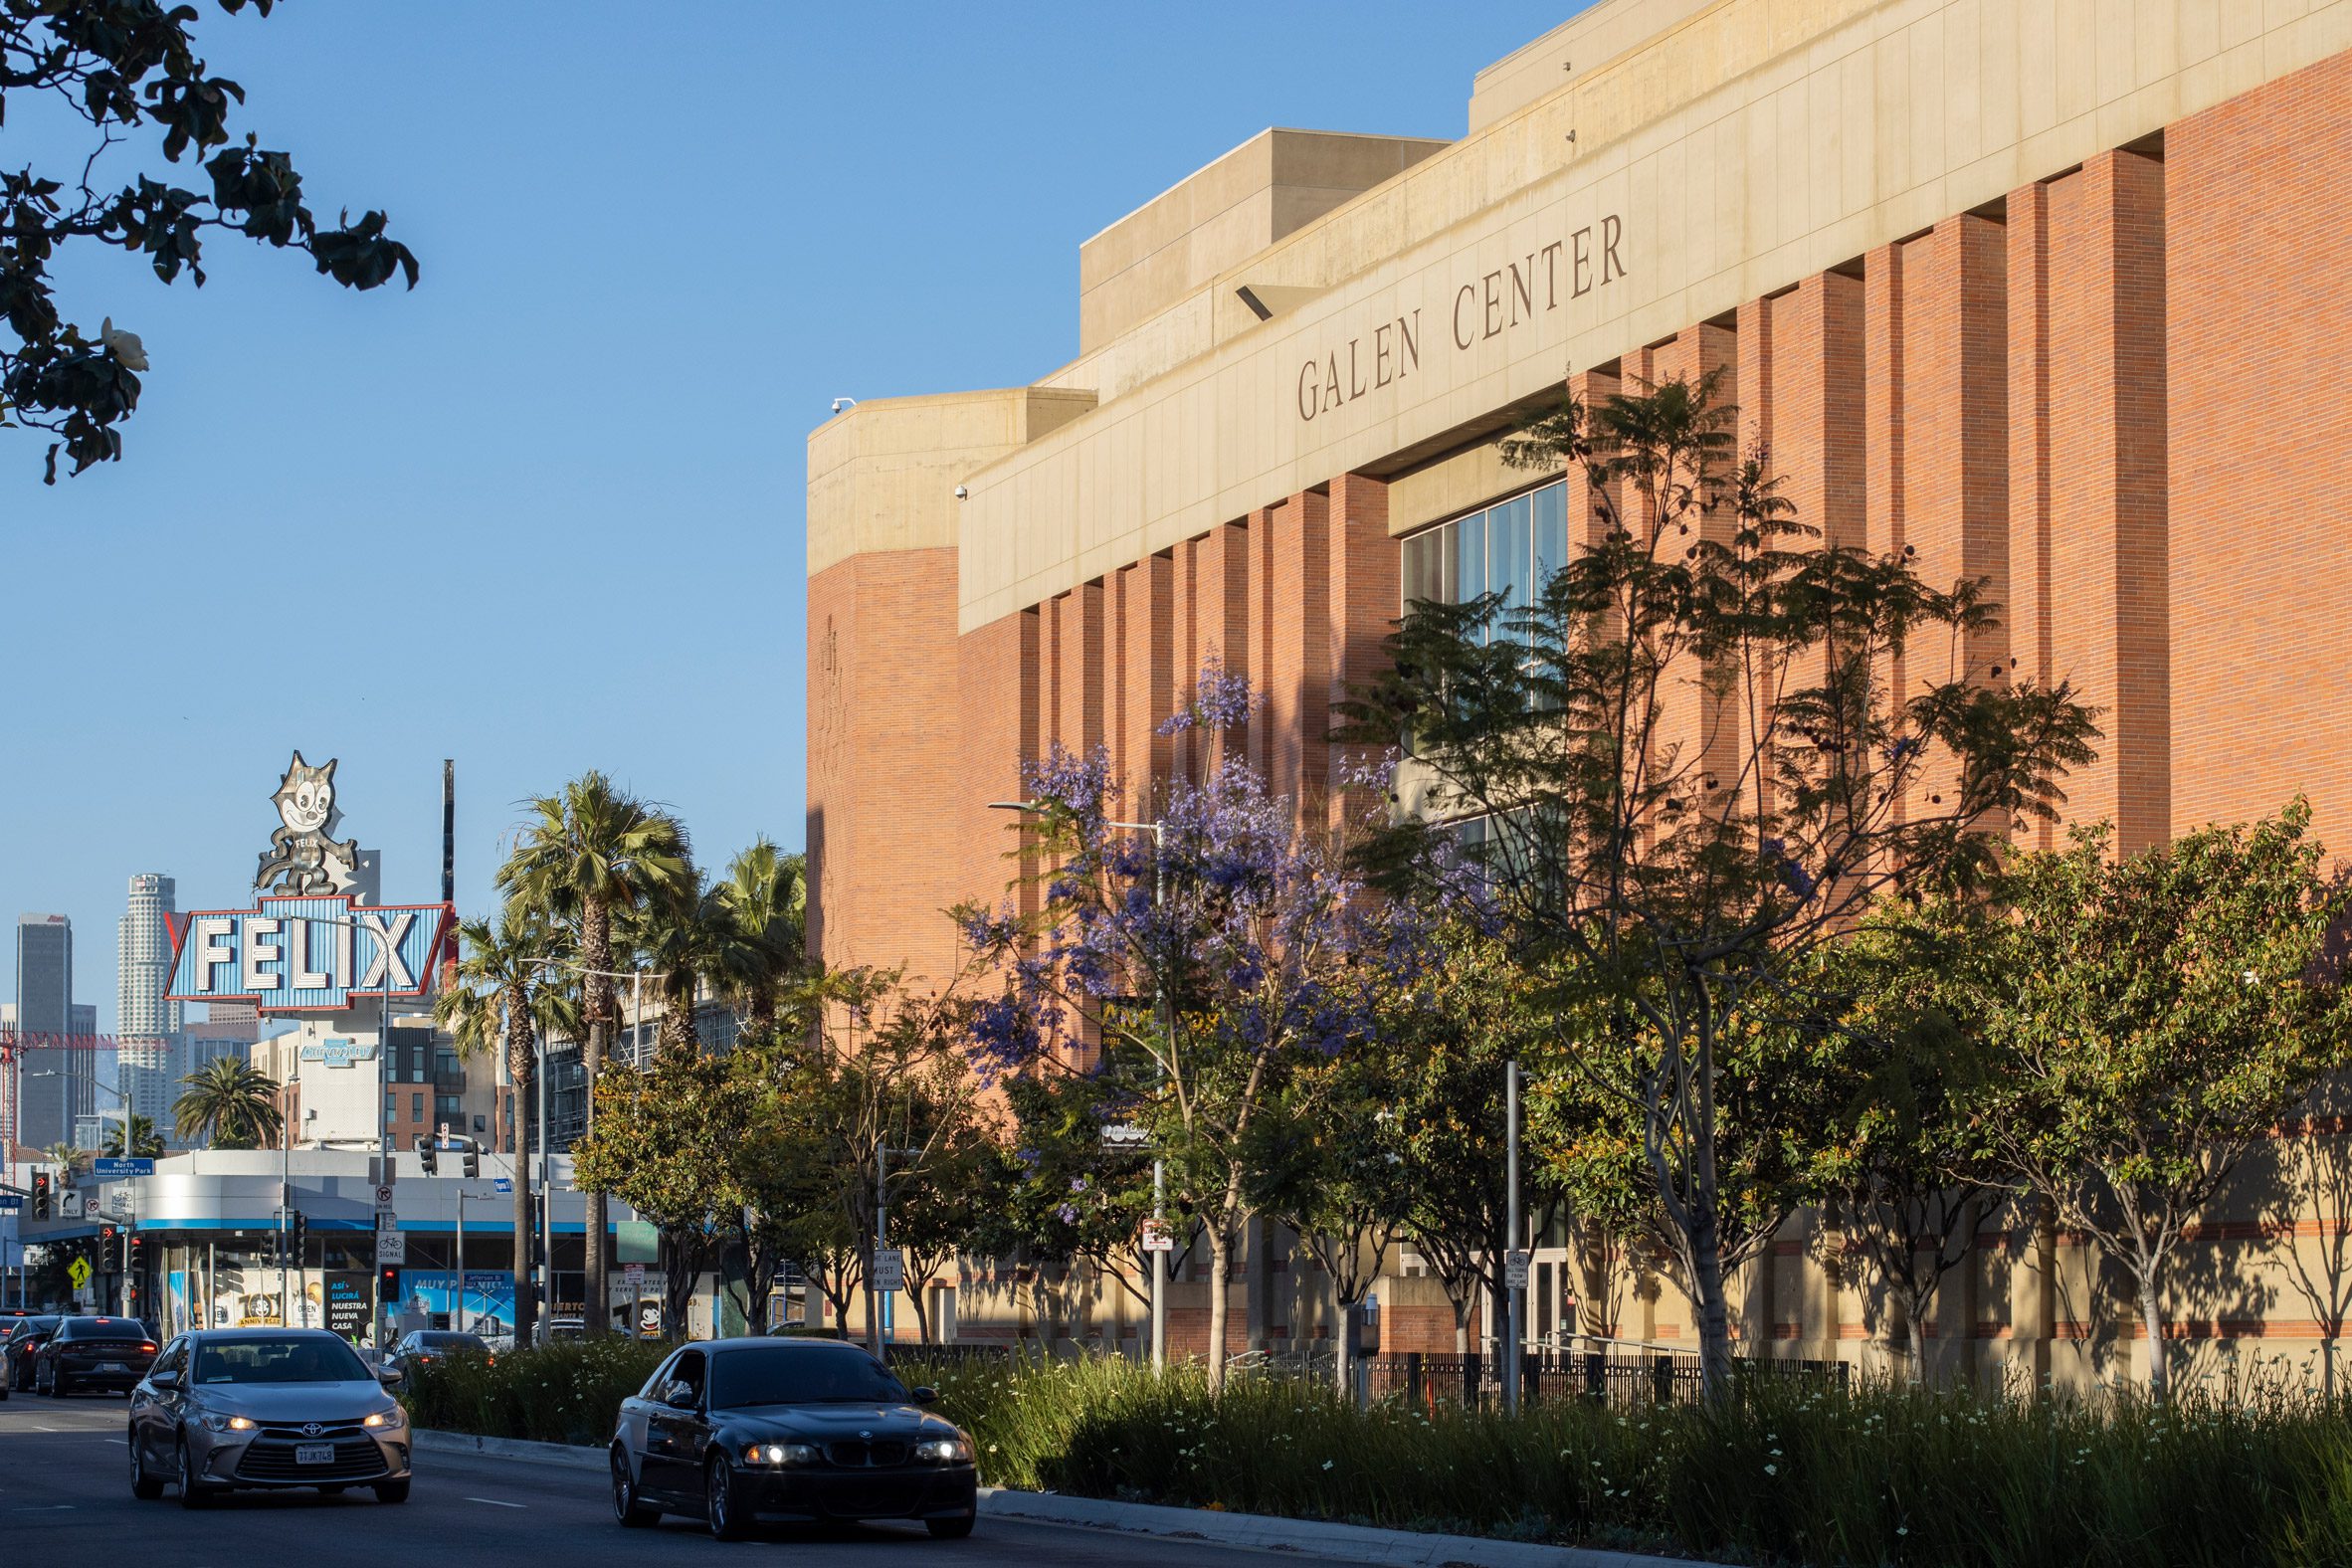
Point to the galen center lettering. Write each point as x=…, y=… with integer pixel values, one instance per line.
x=1507, y=297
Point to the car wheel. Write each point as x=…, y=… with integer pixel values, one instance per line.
x=626, y=1508
x=193, y=1494
x=143, y=1486
x=949, y=1529
x=392, y=1490
x=718, y=1501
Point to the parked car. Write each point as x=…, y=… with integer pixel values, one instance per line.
x=85, y=1353
x=740, y=1430
x=423, y=1346
x=264, y=1408
x=26, y=1335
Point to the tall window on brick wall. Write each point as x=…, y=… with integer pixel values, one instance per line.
x=1510, y=548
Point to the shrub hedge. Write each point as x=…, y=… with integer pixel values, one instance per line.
x=1789, y=1473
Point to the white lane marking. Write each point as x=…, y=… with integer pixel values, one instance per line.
x=53, y=1507
x=495, y=1503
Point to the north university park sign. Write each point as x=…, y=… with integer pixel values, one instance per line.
x=319, y=953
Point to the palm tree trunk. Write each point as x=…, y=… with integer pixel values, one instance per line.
x=525, y=1306
x=596, y=956
x=760, y=1012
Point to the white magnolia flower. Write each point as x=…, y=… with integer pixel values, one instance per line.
x=125, y=346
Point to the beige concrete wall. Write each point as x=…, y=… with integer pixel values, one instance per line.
x=1595, y=37
x=1217, y=219
x=883, y=473
x=1805, y=135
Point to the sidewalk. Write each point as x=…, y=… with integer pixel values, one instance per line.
x=1304, y=1537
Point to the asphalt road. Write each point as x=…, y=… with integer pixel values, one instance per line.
x=66, y=1502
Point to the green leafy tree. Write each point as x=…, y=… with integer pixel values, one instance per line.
x=230, y=1105
x=1700, y=752
x=494, y=1005
x=2154, y=1016
x=146, y=1141
x=119, y=73
x=586, y=851
x=1334, y=1169
x=67, y=1158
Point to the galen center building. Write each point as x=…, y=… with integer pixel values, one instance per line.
x=2056, y=295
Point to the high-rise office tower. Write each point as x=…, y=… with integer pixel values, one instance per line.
x=57, y=1082
x=149, y=1026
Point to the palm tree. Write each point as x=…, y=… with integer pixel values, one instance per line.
x=683, y=938
x=492, y=1006
x=766, y=898
x=146, y=1141
x=67, y=1158
x=587, y=852
x=231, y=1104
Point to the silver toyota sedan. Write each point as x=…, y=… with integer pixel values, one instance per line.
x=229, y=1408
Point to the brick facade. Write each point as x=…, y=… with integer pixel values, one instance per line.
x=2111, y=396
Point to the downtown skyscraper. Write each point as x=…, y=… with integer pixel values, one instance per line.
x=58, y=1086
x=150, y=1027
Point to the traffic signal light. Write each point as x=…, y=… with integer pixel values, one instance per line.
x=429, y=1154
x=388, y=1283
x=297, y=1233
x=39, y=1195
x=138, y=1249
x=106, y=1239
x=473, y=1160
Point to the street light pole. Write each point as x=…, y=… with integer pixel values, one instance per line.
x=1515, y=1290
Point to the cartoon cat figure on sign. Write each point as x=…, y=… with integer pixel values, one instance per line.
x=304, y=857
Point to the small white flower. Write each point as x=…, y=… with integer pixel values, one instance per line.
x=1331, y=1464
x=1772, y=1470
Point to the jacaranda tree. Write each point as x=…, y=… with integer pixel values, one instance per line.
x=1208, y=955
x=1694, y=754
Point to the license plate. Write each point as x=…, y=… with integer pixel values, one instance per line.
x=112, y=1366
x=315, y=1454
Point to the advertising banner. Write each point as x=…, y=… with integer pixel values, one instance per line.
x=347, y=1303
x=486, y=1305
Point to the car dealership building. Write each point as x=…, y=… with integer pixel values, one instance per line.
x=2054, y=294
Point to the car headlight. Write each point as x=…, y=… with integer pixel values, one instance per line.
x=944, y=1450
x=781, y=1453
x=390, y=1419
x=215, y=1422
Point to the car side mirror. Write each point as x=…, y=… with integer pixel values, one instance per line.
x=923, y=1393
x=163, y=1382
x=678, y=1393
x=390, y=1377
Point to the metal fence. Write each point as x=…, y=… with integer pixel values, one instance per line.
x=1644, y=1377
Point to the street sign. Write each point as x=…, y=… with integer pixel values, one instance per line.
x=890, y=1270
x=503, y=1184
x=78, y=1271
x=118, y=1202
x=384, y=1195
x=633, y=1275
x=1514, y=1271
x=112, y=1169
x=9, y=1200
x=68, y=1204
x=391, y=1248
x=1156, y=1238
x=386, y=1220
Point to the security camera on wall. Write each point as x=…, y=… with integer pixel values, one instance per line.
x=961, y=494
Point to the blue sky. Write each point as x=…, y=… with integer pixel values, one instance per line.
x=545, y=512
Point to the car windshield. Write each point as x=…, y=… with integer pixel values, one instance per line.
x=100, y=1328
x=280, y=1360
x=800, y=1375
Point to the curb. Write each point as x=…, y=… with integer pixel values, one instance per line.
x=1262, y=1533
x=428, y=1440
x=1302, y=1537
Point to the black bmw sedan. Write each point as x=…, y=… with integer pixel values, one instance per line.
x=741, y=1430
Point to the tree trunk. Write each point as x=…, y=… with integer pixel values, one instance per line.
x=1220, y=1303
x=2152, y=1322
x=923, y=1315
x=1351, y=1336
x=596, y=954
x=760, y=1012
x=525, y=1314
x=1917, y=1323
x=1714, y=1319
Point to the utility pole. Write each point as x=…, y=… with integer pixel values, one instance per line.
x=1514, y=1262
